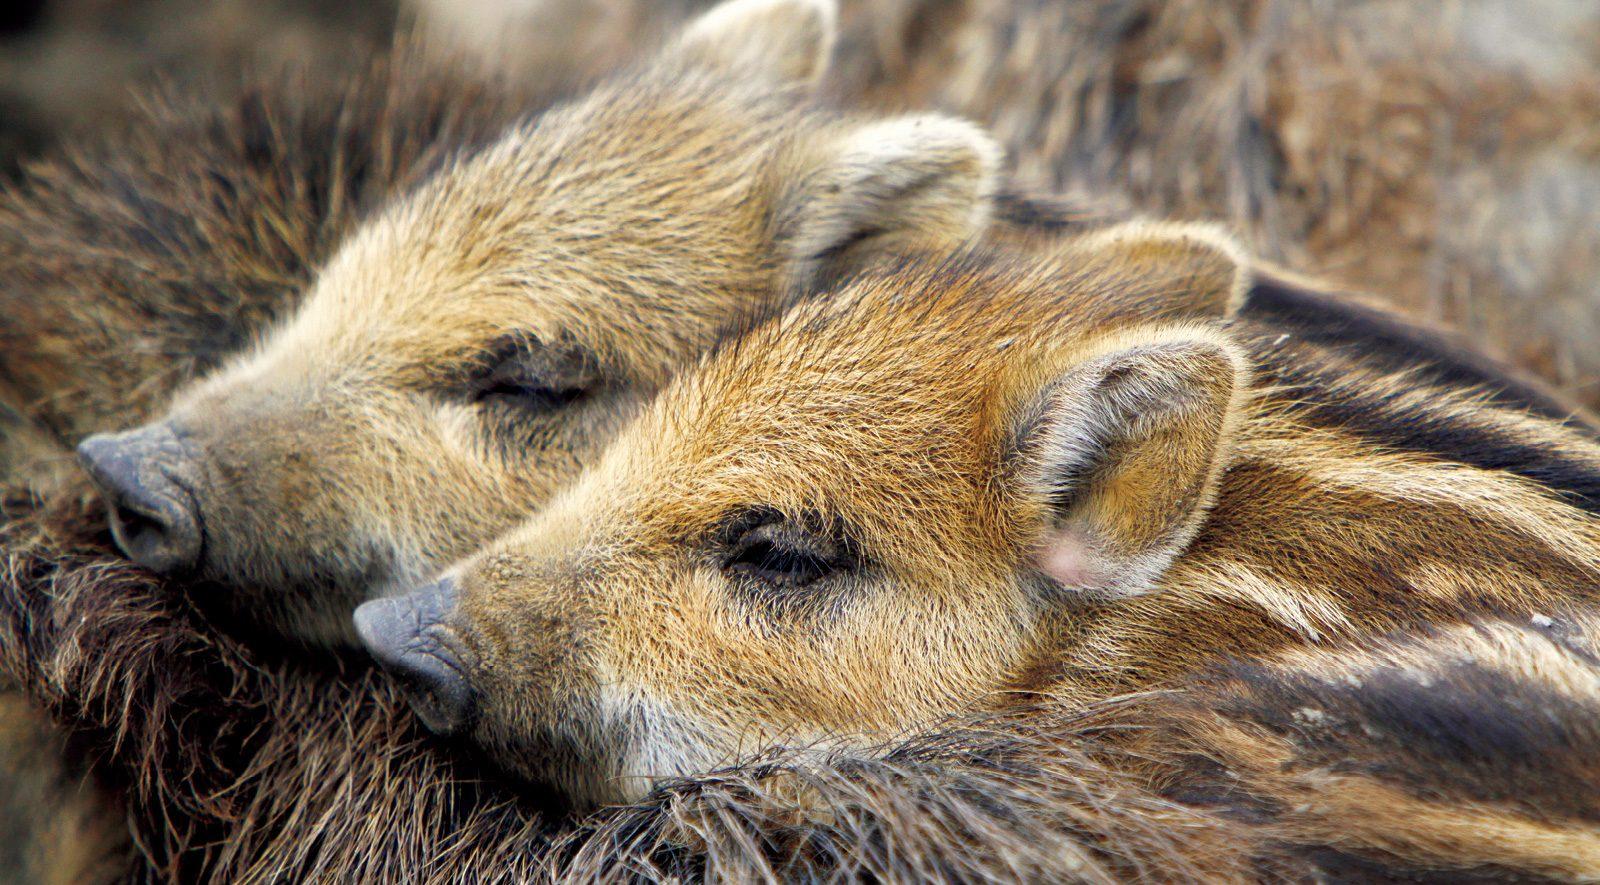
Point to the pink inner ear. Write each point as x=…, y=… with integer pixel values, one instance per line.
x=1068, y=558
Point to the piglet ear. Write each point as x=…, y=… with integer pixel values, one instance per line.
x=879, y=188
x=1190, y=271
x=785, y=41
x=1124, y=450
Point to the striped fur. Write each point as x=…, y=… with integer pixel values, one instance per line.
x=271, y=186
x=1470, y=751
x=1463, y=753
x=618, y=637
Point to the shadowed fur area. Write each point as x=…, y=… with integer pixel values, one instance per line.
x=234, y=767
x=70, y=827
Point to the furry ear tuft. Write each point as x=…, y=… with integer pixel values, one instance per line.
x=887, y=185
x=789, y=41
x=1125, y=449
x=1200, y=270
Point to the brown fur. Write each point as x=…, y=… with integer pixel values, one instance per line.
x=96, y=602
x=235, y=767
x=105, y=615
x=336, y=783
x=471, y=345
x=1440, y=154
x=1000, y=466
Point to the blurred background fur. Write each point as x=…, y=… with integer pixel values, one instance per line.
x=1444, y=156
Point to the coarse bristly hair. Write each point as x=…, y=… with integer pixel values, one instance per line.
x=148, y=254
x=1462, y=753
x=234, y=767
x=238, y=766
x=1435, y=754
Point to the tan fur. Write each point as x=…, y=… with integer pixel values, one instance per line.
x=1216, y=263
x=582, y=256
x=1149, y=416
x=759, y=38
x=616, y=641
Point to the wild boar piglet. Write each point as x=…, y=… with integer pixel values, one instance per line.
x=965, y=482
x=848, y=521
x=474, y=344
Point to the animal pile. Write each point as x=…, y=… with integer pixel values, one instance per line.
x=695, y=474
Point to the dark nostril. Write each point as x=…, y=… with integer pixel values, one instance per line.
x=408, y=636
x=142, y=530
x=153, y=516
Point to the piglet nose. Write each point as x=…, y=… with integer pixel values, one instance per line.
x=142, y=473
x=409, y=637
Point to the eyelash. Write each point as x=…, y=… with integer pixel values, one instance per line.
x=755, y=554
x=768, y=561
x=540, y=397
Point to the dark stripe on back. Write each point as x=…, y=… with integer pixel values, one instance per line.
x=1349, y=866
x=1379, y=338
x=1461, y=732
x=1314, y=385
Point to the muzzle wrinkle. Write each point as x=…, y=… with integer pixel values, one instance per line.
x=410, y=638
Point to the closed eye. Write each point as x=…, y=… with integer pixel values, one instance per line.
x=765, y=547
x=524, y=376
x=776, y=564
x=527, y=396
